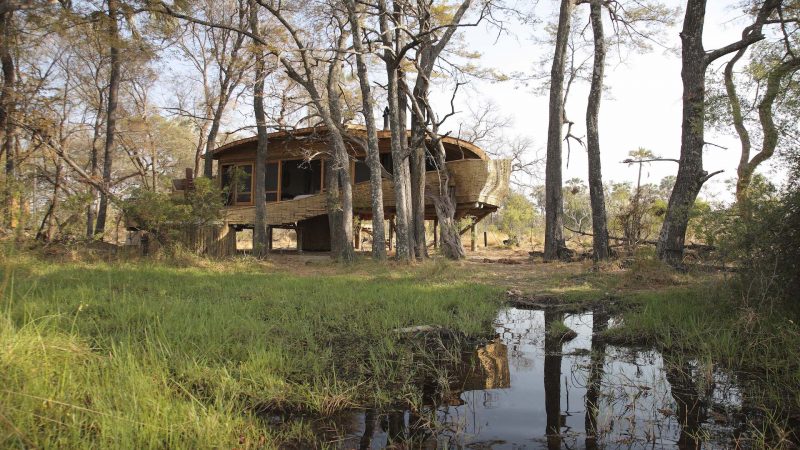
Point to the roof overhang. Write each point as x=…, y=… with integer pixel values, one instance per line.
x=319, y=132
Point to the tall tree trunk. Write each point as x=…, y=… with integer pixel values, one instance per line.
x=111, y=120
x=596, y=195
x=417, y=166
x=373, y=151
x=444, y=201
x=7, y=124
x=50, y=227
x=260, y=235
x=340, y=203
x=747, y=166
x=405, y=164
x=341, y=159
x=211, y=143
x=403, y=248
x=554, y=245
x=690, y=169
x=402, y=118
x=445, y=204
x=93, y=167
x=691, y=175
x=333, y=205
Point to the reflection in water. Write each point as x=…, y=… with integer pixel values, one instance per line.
x=552, y=381
x=369, y=429
x=690, y=405
x=494, y=362
x=596, y=363
x=526, y=390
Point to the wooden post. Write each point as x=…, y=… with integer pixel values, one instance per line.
x=299, y=233
x=269, y=238
x=473, y=234
x=435, y=233
x=357, y=243
x=391, y=233
x=485, y=238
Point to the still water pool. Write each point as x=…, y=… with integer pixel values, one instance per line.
x=528, y=388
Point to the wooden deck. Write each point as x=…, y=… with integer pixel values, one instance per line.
x=480, y=187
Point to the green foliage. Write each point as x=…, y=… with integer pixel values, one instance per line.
x=161, y=213
x=763, y=235
x=577, y=205
x=517, y=216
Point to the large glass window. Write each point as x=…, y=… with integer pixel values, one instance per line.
x=244, y=183
x=361, y=171
x=386, y=162
x=300, y=178
x=237, y=183
x=271, y=181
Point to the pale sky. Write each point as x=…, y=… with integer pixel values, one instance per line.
x=641, y=109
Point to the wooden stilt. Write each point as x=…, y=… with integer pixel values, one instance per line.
x=474, y=238
x=269, y=238
x=435, y=233
x=485, y=238
x=391, y=232
x=299, y=232
x=357, y=243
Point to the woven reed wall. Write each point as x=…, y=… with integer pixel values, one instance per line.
x=475, y=180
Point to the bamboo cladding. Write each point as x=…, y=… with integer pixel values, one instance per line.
x=475, y=180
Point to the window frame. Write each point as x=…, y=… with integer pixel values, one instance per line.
x=234, y=195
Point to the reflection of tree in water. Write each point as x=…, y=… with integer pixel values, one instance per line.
x=369, y=430
x=596, y=363
x=404, y=429
x=520, y=328
x=632, y=398
x=691, y=404
x=552, y=381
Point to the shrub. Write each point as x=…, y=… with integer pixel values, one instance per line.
x=764, y=237
x=162, y=214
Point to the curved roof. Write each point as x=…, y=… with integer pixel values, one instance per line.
x=463, y=145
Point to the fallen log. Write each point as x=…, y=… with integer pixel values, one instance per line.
x=689, y=246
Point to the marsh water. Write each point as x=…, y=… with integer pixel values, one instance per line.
x=530, y=389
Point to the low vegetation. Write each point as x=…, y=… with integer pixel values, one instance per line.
x=142, y=355
x=153, y=354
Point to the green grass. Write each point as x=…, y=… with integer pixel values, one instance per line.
x=149, y=354
x=560, y=331
x=144, y=355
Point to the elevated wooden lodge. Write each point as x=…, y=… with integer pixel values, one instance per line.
x=295, y=182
